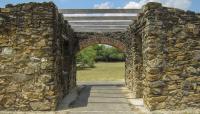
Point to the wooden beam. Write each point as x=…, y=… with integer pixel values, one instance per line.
x=69, y=18
x=99, y=30
x=99, y=27
x=81, y=23
x=92, y=11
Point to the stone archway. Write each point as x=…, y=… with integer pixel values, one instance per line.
x=90, y=40
x=109, y=41
x=37, y=56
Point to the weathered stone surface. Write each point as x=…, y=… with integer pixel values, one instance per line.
x=32, y=56
x=38, y=48
x=8, y=100
x=40, y=106
x=170, y=65
x=7, y=51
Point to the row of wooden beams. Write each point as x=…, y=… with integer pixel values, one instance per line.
x=93, y=11
x=93, y=23
x=98, y=30
x=123, y=26
x=69, y=18
x=98, y=27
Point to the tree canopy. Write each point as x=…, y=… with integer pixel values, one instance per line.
x=88, y=56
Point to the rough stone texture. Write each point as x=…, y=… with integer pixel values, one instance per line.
x=113, y=39
x=170, y=49
x=31, y=54
x=38, y=48
x=129, y=60
x=133, y=62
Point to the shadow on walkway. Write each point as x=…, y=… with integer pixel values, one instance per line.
x=100, y=97
x=82, y=99
x=101, y=94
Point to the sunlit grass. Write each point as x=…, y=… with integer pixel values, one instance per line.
x=102, y=72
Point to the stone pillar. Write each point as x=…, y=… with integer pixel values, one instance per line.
x=129, y=61
x=72, y=71
x=170, y=58
x=137, y=67
x=154, y=60
x=134, y=62
x=31, y=75
x=27, y=80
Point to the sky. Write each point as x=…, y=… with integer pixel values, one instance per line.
x=193, y=5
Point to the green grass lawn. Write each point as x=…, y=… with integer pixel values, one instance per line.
x=102, y=71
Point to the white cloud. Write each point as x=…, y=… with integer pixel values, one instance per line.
x=105, y=5
x=138, y=5
x=182, y=4
x=133, y=5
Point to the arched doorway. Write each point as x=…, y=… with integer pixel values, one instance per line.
x=100, y=62
x=102, y=84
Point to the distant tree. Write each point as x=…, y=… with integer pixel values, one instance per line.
x=108, y=53
x=105, y=53
x=86, y=58
x=115, y=55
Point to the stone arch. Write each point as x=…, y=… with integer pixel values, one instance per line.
x=109, y=41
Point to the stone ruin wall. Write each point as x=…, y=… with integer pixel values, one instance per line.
x=170, y=52
x=37, y=57
x=33, y=40
x=133, y=63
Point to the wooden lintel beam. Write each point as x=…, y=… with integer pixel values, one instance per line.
x=79, y=23
x=123, y=26
x=99, y=30
x=69, y=18
x=93, y=11
x=99, y=27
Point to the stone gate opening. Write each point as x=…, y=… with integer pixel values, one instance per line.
x=94, y=58
x=88, y=39
x=38, y=46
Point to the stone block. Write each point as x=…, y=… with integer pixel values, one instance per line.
x=151, y=5
x=5, y=10
x=153, y=77
x=7, y=51
x=40, y=106
x=19, y=77
x=158, y=99
x=156, y=84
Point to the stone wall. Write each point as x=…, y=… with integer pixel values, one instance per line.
x=64, y=53
x=170, y=49
x=32, y=57
x=129, y=60
x=38, y=48
x=134, y=60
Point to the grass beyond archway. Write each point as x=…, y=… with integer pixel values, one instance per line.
x=103, y=72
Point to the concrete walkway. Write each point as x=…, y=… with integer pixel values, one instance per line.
x=104, y=98
x=101, y=98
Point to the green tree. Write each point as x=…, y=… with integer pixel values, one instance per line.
x=86, y=58
x=108, y=53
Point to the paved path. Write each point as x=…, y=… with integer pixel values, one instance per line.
x=94, y=98
x=105, y=98
x=99, y=98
